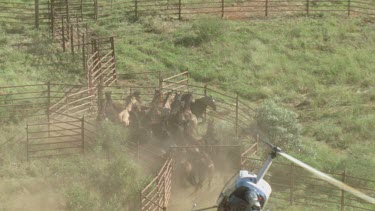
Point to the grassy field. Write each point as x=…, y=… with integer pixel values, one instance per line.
x=322, y=67
x=27, y=56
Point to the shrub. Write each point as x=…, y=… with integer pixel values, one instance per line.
x=155, y=25
x=208, y=29
x=111, y=137
x=203, y=30
x=279, y=125
x=79, y=198
x=118, y=184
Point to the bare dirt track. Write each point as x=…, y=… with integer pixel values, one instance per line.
x=184, y=196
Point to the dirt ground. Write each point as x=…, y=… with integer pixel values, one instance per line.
x=29, y=194
x=184, y=195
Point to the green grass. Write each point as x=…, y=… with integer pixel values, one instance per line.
x=323, y=62
x=27, y=57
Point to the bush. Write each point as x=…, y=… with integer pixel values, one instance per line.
x=155, y=25
x=279, y=125
x=203, y=30
x=111, y=138
x=79, y=198
x=208, y=29
x=118, y=185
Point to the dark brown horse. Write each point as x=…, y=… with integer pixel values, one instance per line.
x=199, y=106
x=111, y=110
x=197, y=167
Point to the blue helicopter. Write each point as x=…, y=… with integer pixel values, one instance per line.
x=249, y=192
x=246, y=191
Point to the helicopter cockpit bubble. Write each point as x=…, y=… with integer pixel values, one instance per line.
x=244, y=193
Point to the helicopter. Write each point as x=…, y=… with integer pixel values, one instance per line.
x=246, y=191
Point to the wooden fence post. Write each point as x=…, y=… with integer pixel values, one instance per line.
x=138, y=151
x=84, y=54
x=83, y=134
x=48, y=105
x=67, y=11
x=205, y=94
x=27, y=141
x=71, y=38
x=49, y=12
x=343, y=192
x=100, y=102
x=63, y=34
x=165, y=190
x=52, y=20
x=160, y=81
x=114, y=57
x=81, y=9
x=36, y=14
x=237, y=115
x=140, y=199
x=179, y=9
x=96, y=10
x=240, y=166
x=291, y=188
x=307, y=7
x=349, y=2
x=266, y=9
x=98, y=61
x=78, y=36
x=136, y=9
x=187, y=80
x=222, y=8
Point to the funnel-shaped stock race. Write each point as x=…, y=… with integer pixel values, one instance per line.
x=329, y=179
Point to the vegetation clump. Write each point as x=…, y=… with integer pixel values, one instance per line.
x=279, y=125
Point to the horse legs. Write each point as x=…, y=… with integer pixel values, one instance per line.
x=192, y=180
x=210, y=174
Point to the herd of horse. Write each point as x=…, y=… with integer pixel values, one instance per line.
x=171, y=116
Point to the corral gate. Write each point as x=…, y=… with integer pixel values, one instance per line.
x=66, y=136
x=101, y=63
x=155, y=196
x=179, y=82
x=55, y=138
x=98, y=53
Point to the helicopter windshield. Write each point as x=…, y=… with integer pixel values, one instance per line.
x=243, y=192
x=232, y=184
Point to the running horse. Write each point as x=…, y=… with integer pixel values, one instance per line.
x=199, y=106
x=190, y=120
x=130, y=104
x=197, y=166
x=110, y=110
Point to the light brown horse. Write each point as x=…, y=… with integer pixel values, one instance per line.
x=191, y=121
x=124, y=115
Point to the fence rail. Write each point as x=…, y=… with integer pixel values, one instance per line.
x=55, y=138
x=156, y=195
x=39, y=12
x=231, y=8
x=292, y=185
x=97, y=53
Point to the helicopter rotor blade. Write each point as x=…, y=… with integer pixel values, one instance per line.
x=329, y=179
